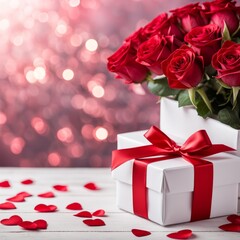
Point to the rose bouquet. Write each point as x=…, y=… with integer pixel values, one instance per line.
x=191, y=55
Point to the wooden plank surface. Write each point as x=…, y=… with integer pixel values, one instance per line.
x=63, y=225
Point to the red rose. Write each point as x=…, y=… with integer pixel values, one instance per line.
x=205, y=40
x=183, y=68
x=227, y=63
x=123, y=63
x=164, y=25
x=152, y=52
x=190, y=16
x=136, y=38
x=222, y=11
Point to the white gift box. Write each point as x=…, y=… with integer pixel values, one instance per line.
x=184, y=121
x=170, y=184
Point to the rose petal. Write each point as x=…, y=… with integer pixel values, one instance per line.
x=140, y=233
x=24, y=194
x=46, y=195
x=17, y=198
x=41, y=224
x=13, y=220
x=61, y=188
x=7, y=205
x=83, y=214
x=183, y=234
x=28, y=225
x=5, y=184
x=99, y=213
x=91, y=186
x=94, y=222
x=230, y=227
x=74, y=206
x=27, y=181
x=234, y=219
x=45, y=208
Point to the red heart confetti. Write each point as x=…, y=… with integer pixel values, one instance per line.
x=94, y=222
x=13, y=220
x=47, y=195
x=24, y=194
x=45, y=208
x=230, y=227
x=234, y=219
x=183, y=234
x=99, y=213
x=83, y=214
x=41, y=224
x=27, y=181
x=28, y=225
x=17, y=198
x=5, y=184
x=140, y=232
x=7, y=205
x=74, y=206
x=61, y=188
x=91, y=186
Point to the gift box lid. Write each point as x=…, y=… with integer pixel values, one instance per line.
x=175, y=175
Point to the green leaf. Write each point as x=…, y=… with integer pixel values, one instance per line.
x=226, y=35
x=235, y=94
x=183, y=99
x=160, y=87
x=192, y=96
x=229, y=117
x=204, y=97
x=202, y=108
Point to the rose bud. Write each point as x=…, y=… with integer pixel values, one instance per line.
x=183, y=68
x=221, y=11
x=152, y=52
x=205, y=40
x=227, y=63
x=190, y=16
x=123, y=63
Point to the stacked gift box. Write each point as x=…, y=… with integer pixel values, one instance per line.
x=168, y=180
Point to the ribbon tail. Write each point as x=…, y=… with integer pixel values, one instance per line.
x=202, y=193
x=123, y=155
x=214, y=149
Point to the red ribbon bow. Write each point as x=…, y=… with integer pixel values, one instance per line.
x=193, y=150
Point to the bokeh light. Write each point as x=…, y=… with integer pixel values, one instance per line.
x=59, y=106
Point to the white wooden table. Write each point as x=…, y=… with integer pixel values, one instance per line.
x=63, y=225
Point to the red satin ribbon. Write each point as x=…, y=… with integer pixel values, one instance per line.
x=193, y=150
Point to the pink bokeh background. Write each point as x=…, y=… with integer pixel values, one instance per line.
x=59, y=106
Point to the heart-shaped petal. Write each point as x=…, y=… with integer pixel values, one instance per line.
x=83, y=214
x=94, y=222
x=13, y=220
x=74, y=206
x=99, y=213
x=41, y=224
x=91, y=186
x=61, y=188
x=24, y=194
x=5, y=184
x=230, y=227
x=234, y=219
x=7, y=205
x=27, y=181
x=17, y=198
x=183, y=234
x=28, y=225
x=46, y=195
x=140, y=232
x=45, y=208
